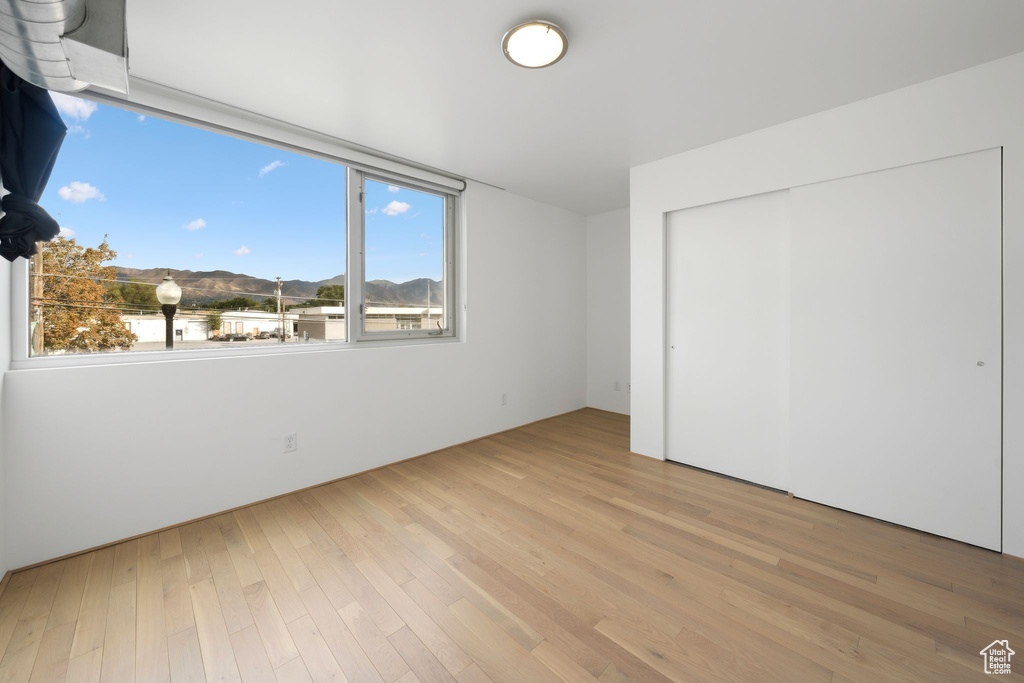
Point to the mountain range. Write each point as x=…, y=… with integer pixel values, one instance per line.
x=210, y=285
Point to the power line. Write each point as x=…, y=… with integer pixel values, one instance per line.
x=83, y=307
x=196, y=277
x=226, y=294
x=111, y=306
x=127, y=304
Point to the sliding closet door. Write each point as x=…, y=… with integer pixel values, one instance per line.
x=896, y=345
x=728, y=338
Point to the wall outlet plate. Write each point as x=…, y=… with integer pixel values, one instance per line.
x=291, y=442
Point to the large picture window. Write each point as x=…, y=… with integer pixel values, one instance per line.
x=270, y=247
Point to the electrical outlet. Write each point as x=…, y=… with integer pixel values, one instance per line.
x=291, y=442
x=617, y=386
x=504, y=399
x=627, y=387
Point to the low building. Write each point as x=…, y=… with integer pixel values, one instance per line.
x=322, y=323
x=383, y=318
x=327, y=323
x=152, y=328
x=255, y=321
x=196, y=327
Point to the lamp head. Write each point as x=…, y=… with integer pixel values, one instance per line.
x=168, y=293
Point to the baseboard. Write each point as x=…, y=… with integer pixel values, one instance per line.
x=606, y=410
x=281, y=495
x=730, y=477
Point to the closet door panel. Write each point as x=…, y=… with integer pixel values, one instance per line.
x=896, y=345
x=728, y=344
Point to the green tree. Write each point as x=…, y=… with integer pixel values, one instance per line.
x=79, y=312
x=332, y=293
x=236, y=302
x=214, y=321
x=326, y=295
x=137, y=293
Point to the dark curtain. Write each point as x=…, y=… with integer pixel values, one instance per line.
x=31, y=134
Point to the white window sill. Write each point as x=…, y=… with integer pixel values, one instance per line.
x=78, y=360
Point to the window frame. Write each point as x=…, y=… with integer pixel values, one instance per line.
x=355, y=291
x=204, y=114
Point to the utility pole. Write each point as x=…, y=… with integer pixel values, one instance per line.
x=280, y=313
x=37, y=300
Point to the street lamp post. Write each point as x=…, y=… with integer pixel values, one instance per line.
x=169, y=294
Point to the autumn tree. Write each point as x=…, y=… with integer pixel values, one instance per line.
x=79, y=313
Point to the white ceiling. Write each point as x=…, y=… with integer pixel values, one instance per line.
x=642, y=80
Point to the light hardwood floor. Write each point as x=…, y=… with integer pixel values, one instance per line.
x=544, y=553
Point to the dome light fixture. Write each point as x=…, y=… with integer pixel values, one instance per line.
x=535, y=44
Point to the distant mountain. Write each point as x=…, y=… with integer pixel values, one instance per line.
x=410, y=293
x=336, y=280
x=205, y=286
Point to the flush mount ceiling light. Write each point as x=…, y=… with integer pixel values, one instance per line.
x=535, y=44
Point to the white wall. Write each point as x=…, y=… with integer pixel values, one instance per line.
x=971, y=110
x=5, y=360
x=608, y=311
x=133, y=447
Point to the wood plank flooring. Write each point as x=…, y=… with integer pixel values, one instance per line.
x=548, y=553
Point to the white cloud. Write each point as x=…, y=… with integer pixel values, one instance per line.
x=128, y=256
x=78, y=192
x=73, y=107
x=270, y=167
x=142, y=117
x=199, y=255
x=373, y=210
x=393, y=188
x=197, y=224
x=76, y=128
x=242, y=251
x=396, y=207
x=66, y=232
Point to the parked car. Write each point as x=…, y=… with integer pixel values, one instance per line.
x=263, y=335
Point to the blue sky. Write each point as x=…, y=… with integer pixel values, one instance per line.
x=169, y=195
